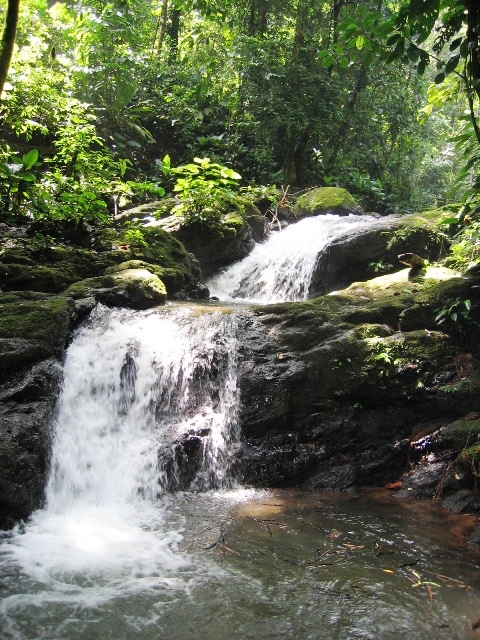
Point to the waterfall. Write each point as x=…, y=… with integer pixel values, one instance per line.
x=135, y=385
x=281, y=269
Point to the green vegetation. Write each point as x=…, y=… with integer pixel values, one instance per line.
x=380, y=99
x=205, y=189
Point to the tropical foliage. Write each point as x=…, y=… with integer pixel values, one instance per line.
x=380, y=97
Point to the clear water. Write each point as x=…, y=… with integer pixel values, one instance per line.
x=281, y=269
x=262, y=564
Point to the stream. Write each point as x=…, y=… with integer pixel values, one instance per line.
x=126, y=547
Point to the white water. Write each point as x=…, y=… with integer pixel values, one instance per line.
x=134, y=383
x=281, y=269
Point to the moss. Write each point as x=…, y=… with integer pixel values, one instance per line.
x=326, y=200
x=137, y=288
x=135, y=264
x=235, y=219
x=144, y=288
x=18, y=277
x=463, y=433
x=472, y=454
x=54, y=269
x=32, y=317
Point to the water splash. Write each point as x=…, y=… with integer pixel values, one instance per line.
x=281, y=269
x=135, y=384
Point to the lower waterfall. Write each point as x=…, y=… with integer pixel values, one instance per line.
x=135, y=383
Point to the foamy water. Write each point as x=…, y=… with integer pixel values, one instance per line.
x=281, y=268
x=134, y=384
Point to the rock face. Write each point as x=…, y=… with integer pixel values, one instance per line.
x=217, y=247
x=53, y=268
x=214, y=246
x=33, y=333
x=334, y=394
x=359, y=387
x=373, y=248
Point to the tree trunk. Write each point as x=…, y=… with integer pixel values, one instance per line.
x=296, y=133
x=162, y=27
x=257, y=25
x=333, y=33
x=473, y=75
x=174, y=33
x=8, y=41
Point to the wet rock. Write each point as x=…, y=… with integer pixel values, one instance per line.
x=53, y=269
x=357, y=253
x=332, y=392
x=218, y=246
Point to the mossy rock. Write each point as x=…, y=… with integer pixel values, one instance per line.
x=33, y=327
x=326, y=200
x=50, y=271
x=33, y=317
x=21, y=277
x=137, y=288
x=463, y=433
x=54, y=269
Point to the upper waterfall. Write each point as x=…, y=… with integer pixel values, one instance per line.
x=281, y=268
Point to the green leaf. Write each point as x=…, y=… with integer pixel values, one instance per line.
x=327, y=61
x=413, y=54
x=398, y=51
x=455, y=44
x=394, y=39
x=422, y=65
x=29, y=159
x=452, y=63
x=26, y=177
x=359, y=42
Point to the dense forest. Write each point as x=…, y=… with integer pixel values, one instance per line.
x=106, y=105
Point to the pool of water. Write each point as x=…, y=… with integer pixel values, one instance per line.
x=261, y=564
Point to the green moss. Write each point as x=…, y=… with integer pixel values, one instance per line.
x=463, y=433
x=19, y=277
x=31, y=317
x=137, y=288
x=325, y=200
x=472, y=453
x=136, y=264
x=235, y=219
x=87, y=287
x=144, y=288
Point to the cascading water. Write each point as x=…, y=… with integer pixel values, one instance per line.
x=281, y=269
x=134, y=385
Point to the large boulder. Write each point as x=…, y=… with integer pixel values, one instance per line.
x=373, y=247
x=34, y=330
x=334, y=390
x=214, y=245
x=325, y=200
x=53, y=268
x=217, y=246
x=136, y=288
